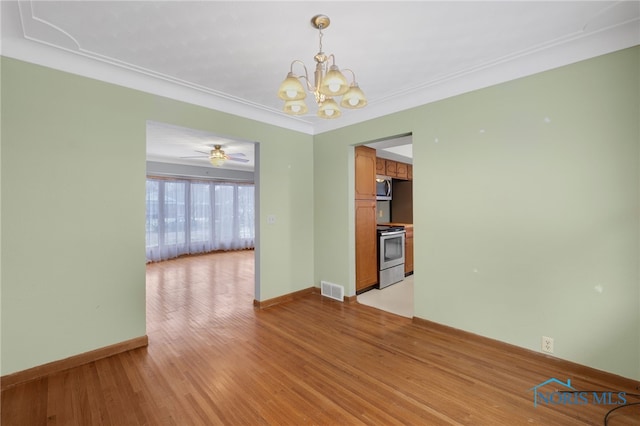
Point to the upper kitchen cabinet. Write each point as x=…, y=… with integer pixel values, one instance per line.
x=391, y=168
x=402, y=170
x=381, y=166
x=394, y=169
x=365, y=170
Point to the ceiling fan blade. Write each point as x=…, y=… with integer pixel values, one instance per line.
x=241, y=160
x=206, y=155
x=238, y=157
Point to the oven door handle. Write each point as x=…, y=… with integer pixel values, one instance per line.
x=387, y=234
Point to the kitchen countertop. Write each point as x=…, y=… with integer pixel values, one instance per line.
x=408, y=227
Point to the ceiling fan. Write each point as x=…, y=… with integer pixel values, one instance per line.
x=217, y=156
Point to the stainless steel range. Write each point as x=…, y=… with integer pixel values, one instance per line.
x=390, y=255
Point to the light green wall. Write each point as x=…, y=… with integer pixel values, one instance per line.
x=72, y=184
x=515, y=227
x=0, y=219
x=526, y=212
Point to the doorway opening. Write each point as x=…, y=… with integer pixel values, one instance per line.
x=202, y=194
x=394, y=209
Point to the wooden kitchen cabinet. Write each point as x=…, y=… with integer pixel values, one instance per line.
x=394, y=169
x=366, y=244
x=365, y=218
x=365, y=173
x=390, y=168
x=408, y=250
x=401, y=170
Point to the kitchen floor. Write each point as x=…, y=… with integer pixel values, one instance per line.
x=397, y=298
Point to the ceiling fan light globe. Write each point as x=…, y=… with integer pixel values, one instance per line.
x=216, y=161
x=217, y=156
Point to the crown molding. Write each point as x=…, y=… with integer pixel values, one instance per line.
x=138, y=79
x=562, y=52
x=590, y=42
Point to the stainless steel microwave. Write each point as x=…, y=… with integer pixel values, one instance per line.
x=383, y=187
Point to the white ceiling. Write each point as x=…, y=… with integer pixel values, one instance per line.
x=398, y=148
x=232, y=55
x=170, y=143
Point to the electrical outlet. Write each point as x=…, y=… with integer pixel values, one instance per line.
x=547, y=344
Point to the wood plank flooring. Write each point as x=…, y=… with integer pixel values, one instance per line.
x=213, y=359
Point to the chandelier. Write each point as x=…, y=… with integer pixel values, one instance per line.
x=328, y=83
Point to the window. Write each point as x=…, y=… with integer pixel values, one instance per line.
x=196, y=217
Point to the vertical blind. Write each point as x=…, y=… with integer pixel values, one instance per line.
x=186, y=217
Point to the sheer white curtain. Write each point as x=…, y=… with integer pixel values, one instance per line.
x=196, y=217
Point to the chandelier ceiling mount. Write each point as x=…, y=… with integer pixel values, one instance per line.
x=320, y=22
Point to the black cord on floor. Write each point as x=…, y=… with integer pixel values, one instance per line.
x=606, y=416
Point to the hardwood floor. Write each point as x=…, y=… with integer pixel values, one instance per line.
x=214, y=359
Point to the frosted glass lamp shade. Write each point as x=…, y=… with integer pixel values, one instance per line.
x=291, y=89
x=297, y=107
x=334, y=83
x=329, y=109
x=217, y=161
x=354, y=98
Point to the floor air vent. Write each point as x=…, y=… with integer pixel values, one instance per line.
x=334, y=291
